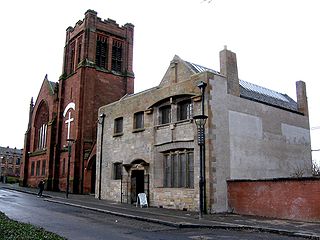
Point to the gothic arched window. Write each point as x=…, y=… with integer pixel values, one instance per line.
x=41, y=125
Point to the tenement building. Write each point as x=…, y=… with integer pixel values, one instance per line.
x=10, y=159
x=61, y=134
x=148, y=141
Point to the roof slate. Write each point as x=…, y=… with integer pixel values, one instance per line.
x=254, y=92
x=52, y=86
x=265, y=95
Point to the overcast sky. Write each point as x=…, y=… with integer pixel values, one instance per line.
x=277, y=43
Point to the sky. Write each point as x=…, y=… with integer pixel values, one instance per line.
x=277, y=43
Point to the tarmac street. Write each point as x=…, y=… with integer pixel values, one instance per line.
x=84, y=217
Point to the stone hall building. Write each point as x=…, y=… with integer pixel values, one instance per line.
x=97, y=70
x=149, y=139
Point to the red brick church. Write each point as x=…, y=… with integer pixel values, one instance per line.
x=97, y=70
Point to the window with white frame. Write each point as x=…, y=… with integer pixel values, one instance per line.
x=41, y=126
x=42, y=136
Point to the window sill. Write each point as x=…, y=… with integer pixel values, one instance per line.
x=162, y=125
x=190, y=120
x=173, y=124
x=38, y=152
x=138, y=130
x=117, y=134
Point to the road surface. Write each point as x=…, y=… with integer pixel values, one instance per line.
x=76, y=223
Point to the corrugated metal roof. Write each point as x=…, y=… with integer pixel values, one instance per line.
x=254, y=92
x=262, y=90
x=197, y=68
x=264, y=95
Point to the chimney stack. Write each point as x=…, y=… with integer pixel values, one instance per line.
x=302, y=100
x=228, y=68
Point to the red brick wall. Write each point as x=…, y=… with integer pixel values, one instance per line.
x=34, y=179
x=30, y=144
x=89, y=87
x=51, y=102
x=297, y=199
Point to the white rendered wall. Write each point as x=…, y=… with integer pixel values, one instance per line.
x=251, y=140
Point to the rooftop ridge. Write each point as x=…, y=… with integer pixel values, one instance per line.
x=10, y=150
x=199, y=68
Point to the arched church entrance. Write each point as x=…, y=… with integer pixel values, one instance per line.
x=136, y=181
x=91, y=171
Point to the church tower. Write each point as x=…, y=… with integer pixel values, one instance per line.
x=97, y=70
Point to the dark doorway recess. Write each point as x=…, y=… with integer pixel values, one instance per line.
x=93, y=176
x=137, y=184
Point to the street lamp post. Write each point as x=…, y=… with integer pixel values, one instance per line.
x=70, y=141
x=200, y=121
x=101, y=117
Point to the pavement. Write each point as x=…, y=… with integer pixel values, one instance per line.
x=178, y=218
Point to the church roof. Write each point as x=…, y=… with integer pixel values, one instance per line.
x=52, y=86
x=254, y=92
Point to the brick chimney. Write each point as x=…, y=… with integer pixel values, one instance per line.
x=302, y=97
x=228, y=68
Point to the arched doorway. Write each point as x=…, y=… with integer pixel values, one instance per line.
x=91, y=173
x=136, y=181
x=137, y=184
